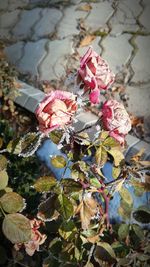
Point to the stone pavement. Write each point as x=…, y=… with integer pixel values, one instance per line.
x=43, y=40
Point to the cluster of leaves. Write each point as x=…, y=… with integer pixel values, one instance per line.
x=76, y=209
x=8, y=84
x=17, y=198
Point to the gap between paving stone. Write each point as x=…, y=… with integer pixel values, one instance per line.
x=30, y=97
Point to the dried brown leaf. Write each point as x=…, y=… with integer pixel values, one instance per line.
x=87, y=40
x=138, y=156
x=88, y=209
x=86, y=8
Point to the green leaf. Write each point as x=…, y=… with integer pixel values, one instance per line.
x=14, y=146
x=125, y=262
x=45, y=183
x=47, y=210
x=12, y=202
x=79, y=170
x=110, y=142
x=3, y=179
x=142, y=214
x=70, y=186
x=95, y=182
x=16, y=228
x=108, y=248
x=104, y=252
x=82, y=139
x=67, y=229
x=55, y=136
x=117, y=155
x=58, y=161
x=89, y=264
x=115, y=172
x=125, y=210
x=126, y=196
x=65, y=206
x=138, y=231
x=144, y=258
x=123, y=231
x=55, y=245
x=103, y=135
x=25, y=146
x=3, y=162
x=101, y=156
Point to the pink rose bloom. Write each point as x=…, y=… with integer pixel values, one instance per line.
x=56, y=110
x=37, y=239
x=116, y=120
x=95, y=72
x=94, y=96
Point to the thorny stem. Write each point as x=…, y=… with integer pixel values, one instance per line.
x=84, y=185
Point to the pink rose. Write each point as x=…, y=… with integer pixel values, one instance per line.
x=116, y=120
x=95, y=72
x=37, y=239
x=56, y=110
x=94, y=96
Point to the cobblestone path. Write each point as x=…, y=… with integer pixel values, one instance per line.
x=43, y=39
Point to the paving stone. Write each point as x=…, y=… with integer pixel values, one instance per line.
x=139, y=100
x=131, y=9
x=34, y=52
x=69, y=23
x=23, y=96
x=94, y=44
x=125, y=17
x=146, y=3
x=7, y=21
x=144, y=18
x=46, y=25
x=54, y=64
x=119, y=24
x=85, y=119
x=23, y=28
x=141, y=61
x=131, y=141
x=38, y=1
x=74, y=2
x=13, y=4
x=33, y=101
x=117, y=51
x=27, y=92
x=136, y=148
x=99, y=15
x=4, y=4
x=14, y=52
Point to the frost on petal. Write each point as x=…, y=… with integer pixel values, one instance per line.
x=116, y=120
x=56, y=110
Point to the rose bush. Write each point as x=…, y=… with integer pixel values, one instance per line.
x=116, y=120
x=86, y=189
x=95, y=73
x=56, y=110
